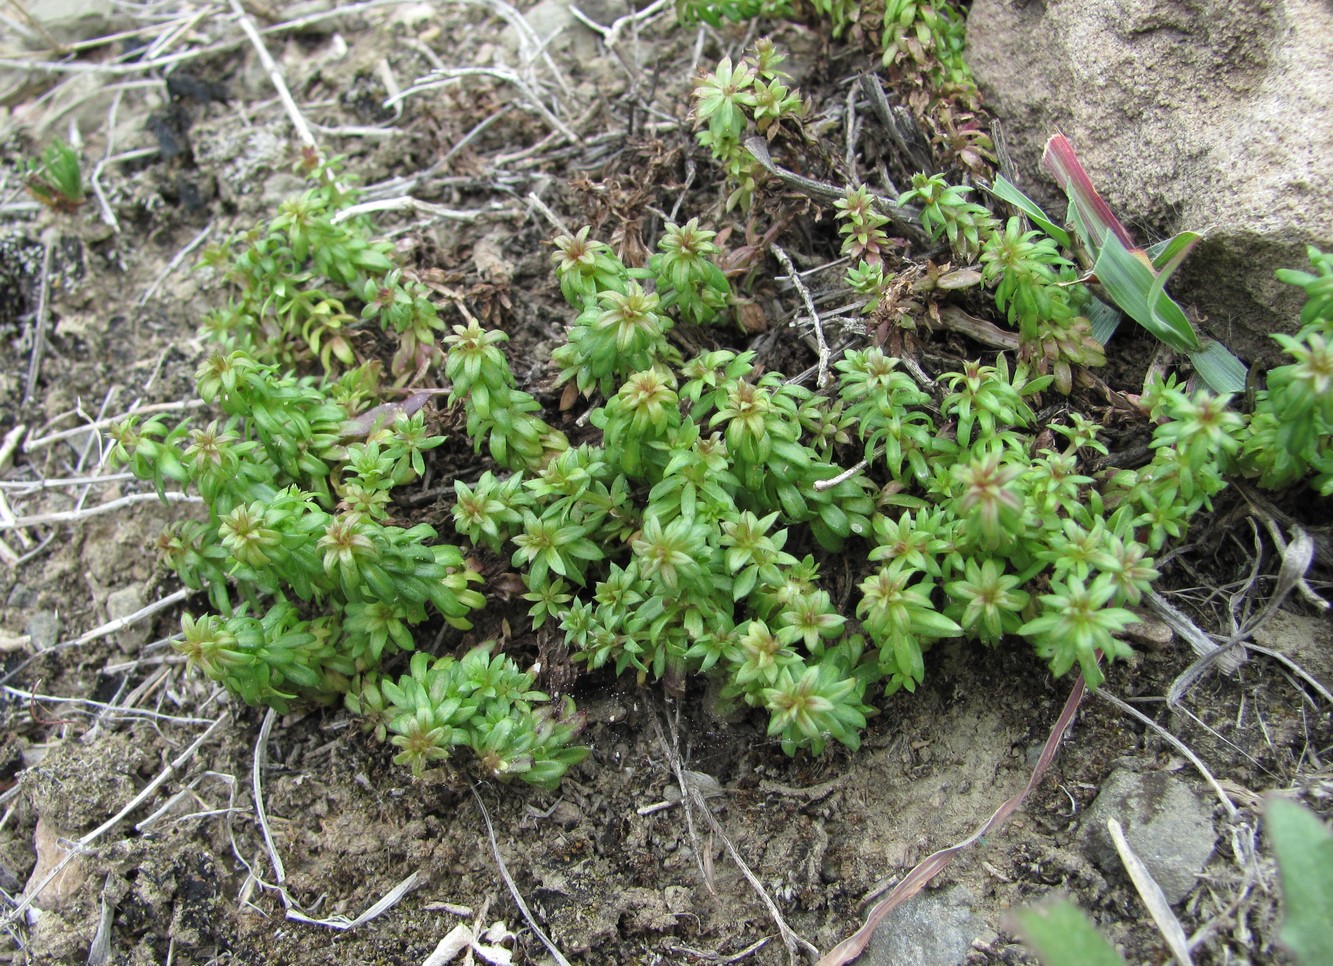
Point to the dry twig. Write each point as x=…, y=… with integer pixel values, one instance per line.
x=821, y=343
x=1159, y=907
x=695, y=798
x=513, y=886
x=1176, y=743
x=40, y=321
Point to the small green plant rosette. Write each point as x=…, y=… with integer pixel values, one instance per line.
x=56, y=178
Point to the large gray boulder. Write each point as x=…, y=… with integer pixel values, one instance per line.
x=1213, y=115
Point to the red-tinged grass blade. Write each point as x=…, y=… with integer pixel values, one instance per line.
x=1061, y=934
x=852, y=947
x=1005, y=190
x=1216, y=366
x=1098, y=218
x=1132, y=285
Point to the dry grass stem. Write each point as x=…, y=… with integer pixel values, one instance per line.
x=1176, y=743
x=76, y=516
x=292, y=908
x=821, y=344
x=30, y=445
x=22, y=488
x=535, y=203
x=176, y=261
x=1153, y=897
x=1203, y=645
x=275, y=77
x=852, y=947
x=844, y=476
x=40, y=322
x=436, y=212
x=689, y=784
x=453, y=75
x=95, y=181
x=9, y=444
x=1306, y=591
x=513, y=886
x=611, y=34
x=531, y=47
x=695, y=799
x=118, y=712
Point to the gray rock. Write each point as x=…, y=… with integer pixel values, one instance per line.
x=1167, y=825
x=43, y=629
x=21, y=597
x=934, y=929
x=69, y=21
x=1212, y=115
x=123, y=603
x=559, y=30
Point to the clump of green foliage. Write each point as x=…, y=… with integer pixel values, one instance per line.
x=313, y=585
x=310, y=283
x=914, y=37
x=715, y=12
x=1130, y=278
x=56, y=178
x=692, y=536
x=1291, y=430
x=679, y=543
x=736, y=101
x=1037, y=288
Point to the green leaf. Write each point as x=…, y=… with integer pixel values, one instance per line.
x=1105, y=320
x=1005, y=190
x=1304, y=849
x=930, y=624
x=1133, y=286
x=1167, y=255
x=1062, y=935
x=1219, y=368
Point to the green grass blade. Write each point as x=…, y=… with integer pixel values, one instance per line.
x=1223, y=372
x=1132, y=285
x=1062, y=935
x=1166, y=256
x=1304, y=849
x=1105, y=320
x=1005, y=190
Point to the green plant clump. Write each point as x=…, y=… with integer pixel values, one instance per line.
x=56, y=178
x=1291, y=431
x=313, y=585
x=686, y=540
x=692, y=536
x=735, y=101
x=309, y=284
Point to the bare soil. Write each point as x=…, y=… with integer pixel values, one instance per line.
x=185, y=876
